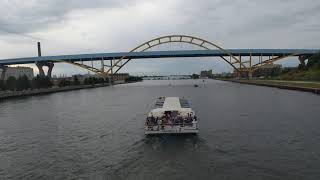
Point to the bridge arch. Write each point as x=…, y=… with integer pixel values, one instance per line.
x=173, y=39
x=120, y=63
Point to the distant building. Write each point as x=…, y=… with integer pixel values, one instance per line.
x=19, y=71
x=206, y=74
x=156, y=78
x=266, y=70
x=170, y=77
x=175, y=77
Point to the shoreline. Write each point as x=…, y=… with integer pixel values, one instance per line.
x=275, y=85
x=36, y=92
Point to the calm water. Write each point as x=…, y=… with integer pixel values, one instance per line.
x=246, y=132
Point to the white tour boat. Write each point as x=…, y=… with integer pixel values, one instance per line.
x=171, y=115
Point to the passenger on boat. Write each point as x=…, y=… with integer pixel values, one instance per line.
x=195, y=118
x=189, y=119
x=160, y=124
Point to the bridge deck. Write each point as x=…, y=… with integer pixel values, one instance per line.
x=160, y=54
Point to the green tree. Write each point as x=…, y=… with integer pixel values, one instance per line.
x=23, y=83
x=314, y=61
x=64, y=82
x=11, y=83
x=195, y=76
x=2, y=85
x=41, y=82
x=133, y=79
x=76, y=80
x=88, y=80
x=100, y=80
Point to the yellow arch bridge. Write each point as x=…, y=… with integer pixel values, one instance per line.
x=240, y=59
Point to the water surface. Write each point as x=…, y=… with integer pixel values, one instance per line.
x=246, y=132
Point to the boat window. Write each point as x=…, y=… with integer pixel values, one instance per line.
x=159, y=103
x=184, y=103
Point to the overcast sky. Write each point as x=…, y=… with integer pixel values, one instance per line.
x=90, y=26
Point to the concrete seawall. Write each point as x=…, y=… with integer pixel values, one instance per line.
x=297, y=88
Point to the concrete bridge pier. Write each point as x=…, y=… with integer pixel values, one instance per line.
x=3, y=72
x=41, y=71
x=50, y=67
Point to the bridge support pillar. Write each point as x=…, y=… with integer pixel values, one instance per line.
x=41, y=71
x=40, y=68
x=50, y=67
x=3, y=72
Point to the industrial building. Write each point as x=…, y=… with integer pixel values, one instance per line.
x=18, y=71
x=206, y=74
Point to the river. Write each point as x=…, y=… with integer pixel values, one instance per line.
x=246, y=132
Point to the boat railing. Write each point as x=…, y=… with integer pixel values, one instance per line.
x=169, y=124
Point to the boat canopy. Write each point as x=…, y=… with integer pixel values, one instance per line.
x=171, y=104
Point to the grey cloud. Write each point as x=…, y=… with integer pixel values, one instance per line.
x=22, y=17
x=229, y=23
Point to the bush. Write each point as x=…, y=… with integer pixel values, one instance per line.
x=23, y=83
x=2, y=85
x=64, y=82
x=93, y=80
x=11, y=83
x=41, y=82
x=88, y=81
x=75, y=81
x=133, y=79
x=314, y=61
x=195, y=76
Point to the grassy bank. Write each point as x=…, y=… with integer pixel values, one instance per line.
x=310, y=74
x=304, y=84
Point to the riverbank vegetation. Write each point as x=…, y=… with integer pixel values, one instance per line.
x=195, y=76
x=23, y=83
x=283, y=83
x=308, y=72
x=38, y=82
x=133, y=79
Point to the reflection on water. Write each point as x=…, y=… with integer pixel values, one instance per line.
x=158, y=155
x=246, y=132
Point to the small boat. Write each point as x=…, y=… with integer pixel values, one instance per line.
x=196, y=85
x=171, y=115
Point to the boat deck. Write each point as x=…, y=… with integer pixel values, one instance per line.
x=172, y=115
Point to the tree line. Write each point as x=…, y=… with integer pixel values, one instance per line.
x=93, y=80
x=133, y=79
x=23, y=83
x=75, y=81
